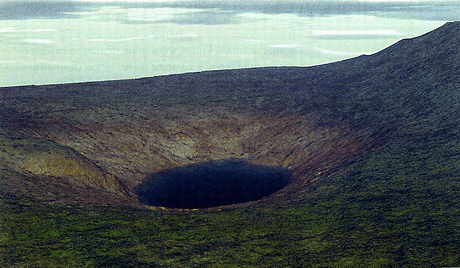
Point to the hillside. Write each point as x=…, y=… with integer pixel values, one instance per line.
x=371, y=143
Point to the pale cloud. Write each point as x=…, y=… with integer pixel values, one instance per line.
x=119, y=39
x=109, y=51
x=254, y=41
x=126, y=1
x=213, y=12
x=14, y=30
x=187, y=35
x=40, y=41
x=337, y=53
x=284, y=46
x=55, y=63
x=356, y=33
x=37, y=63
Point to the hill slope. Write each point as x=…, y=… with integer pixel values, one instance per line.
x=372, y=144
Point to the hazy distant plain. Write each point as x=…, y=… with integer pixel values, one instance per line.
x=59, y=42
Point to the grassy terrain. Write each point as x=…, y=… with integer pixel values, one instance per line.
x=360, y=217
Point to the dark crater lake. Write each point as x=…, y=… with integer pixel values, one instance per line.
x=211, y=184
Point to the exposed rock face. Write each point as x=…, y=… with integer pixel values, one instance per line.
x=309, y=120
x=47, y=161
x=143, y=147
x=68, y=165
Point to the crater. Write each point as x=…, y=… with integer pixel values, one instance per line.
x=156, y=158
x=212, y=184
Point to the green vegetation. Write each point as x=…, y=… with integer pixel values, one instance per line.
x=359, y=217
x=394, y=208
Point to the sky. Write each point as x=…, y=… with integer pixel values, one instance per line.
x=53, y=41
